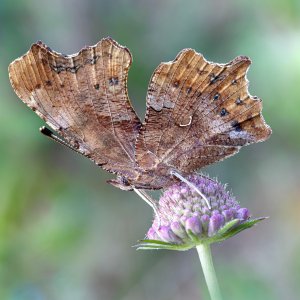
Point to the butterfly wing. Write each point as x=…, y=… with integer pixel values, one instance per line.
x=84, y=98
x=198, y=113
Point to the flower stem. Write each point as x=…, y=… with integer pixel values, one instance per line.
x=204, y=253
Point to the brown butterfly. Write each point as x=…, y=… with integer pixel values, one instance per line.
x=198, y=112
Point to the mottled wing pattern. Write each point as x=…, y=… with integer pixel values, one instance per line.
x=84, y=98
x=198, y=113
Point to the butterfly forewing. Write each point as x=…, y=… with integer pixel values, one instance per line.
x=84, y=98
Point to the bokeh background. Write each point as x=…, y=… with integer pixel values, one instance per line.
x=66, y=234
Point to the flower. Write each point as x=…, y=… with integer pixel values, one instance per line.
x=184, y=220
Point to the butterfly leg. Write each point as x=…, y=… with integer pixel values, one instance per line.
x=191, y=185
x=148, y=200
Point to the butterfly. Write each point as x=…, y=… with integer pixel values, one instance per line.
x=198, y=112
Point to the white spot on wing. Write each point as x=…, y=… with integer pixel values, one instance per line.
x=239, y=135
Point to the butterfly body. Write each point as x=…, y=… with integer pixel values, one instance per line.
x=198, y=112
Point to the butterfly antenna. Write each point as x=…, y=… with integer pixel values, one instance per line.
x=148, y=200
x=48, y=133
x=191, y=185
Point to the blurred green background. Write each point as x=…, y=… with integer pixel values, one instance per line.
x=66, y=234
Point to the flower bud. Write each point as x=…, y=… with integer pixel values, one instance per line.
x=215, y=223
x=193, y=224
x=167, y=235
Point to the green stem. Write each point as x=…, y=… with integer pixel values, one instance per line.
x=204, y=253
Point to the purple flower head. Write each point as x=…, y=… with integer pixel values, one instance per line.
x=183, y=215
